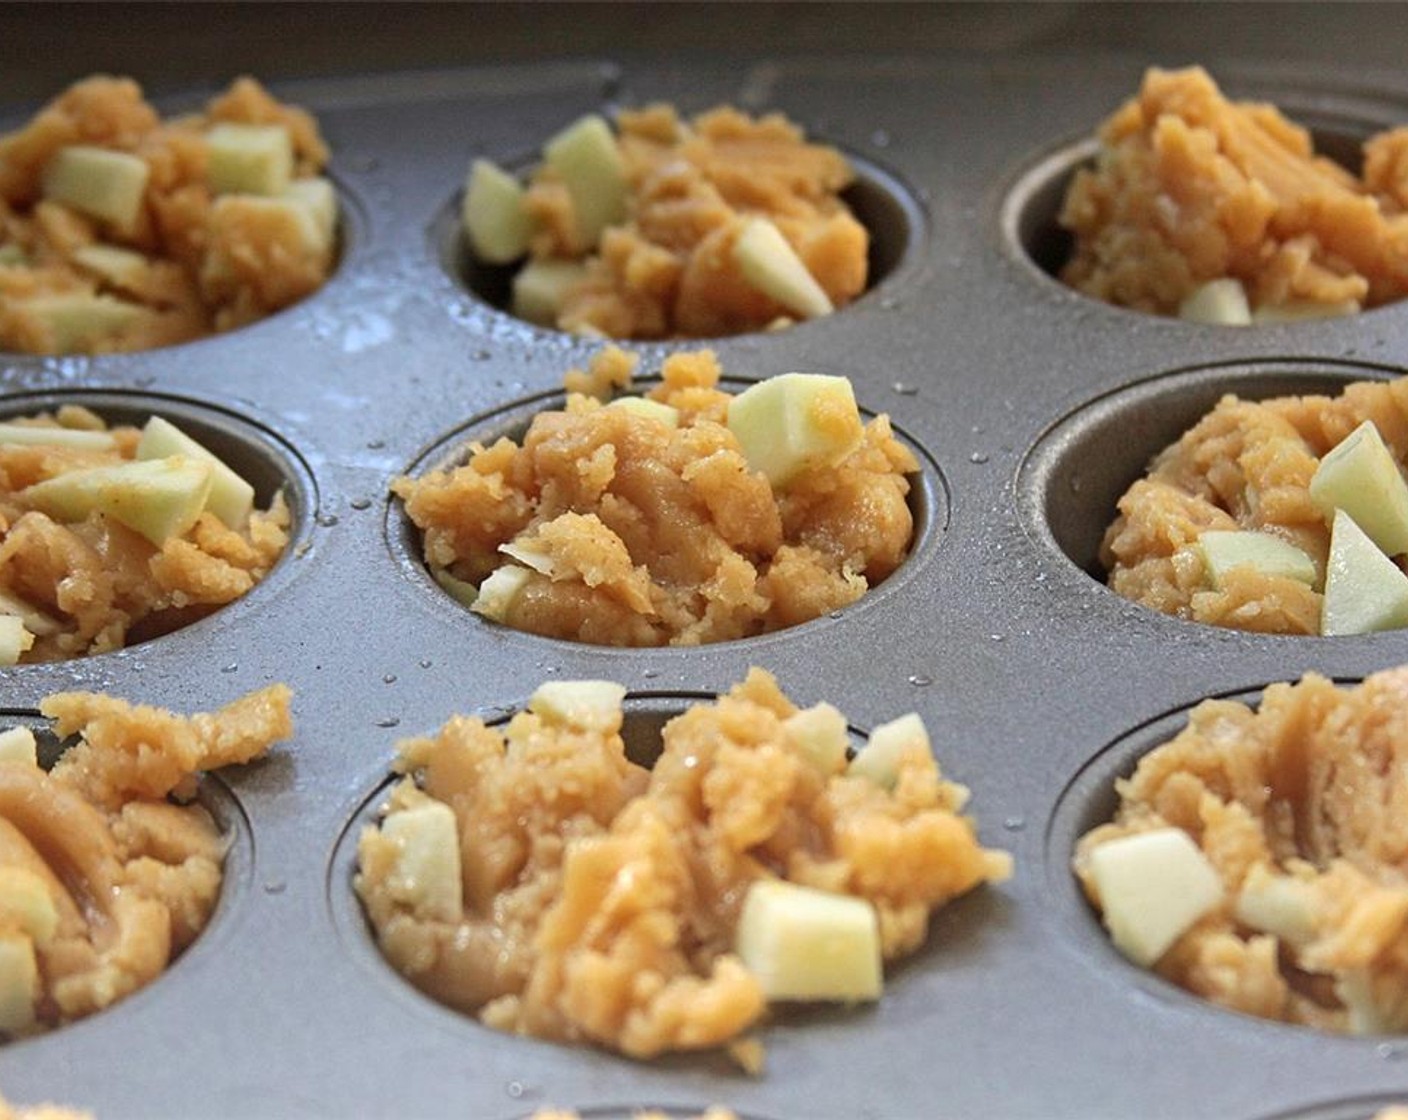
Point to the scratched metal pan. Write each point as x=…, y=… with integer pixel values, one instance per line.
x=1032, y=408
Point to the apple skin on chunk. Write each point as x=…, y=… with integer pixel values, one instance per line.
x=585, y=156
x=1360, y=477
x=1365, y=591
x=103, y=184
x=1153, y=886
x=249, y=159
x=1218, y=302
x=770, y=264
x=494, y=219
x=1225, y=549
x=159, y=498
x=231, y=497
x=807, y=944
x=795, y=421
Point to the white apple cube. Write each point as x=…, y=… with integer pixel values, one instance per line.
x=1153, y=887
x=231, y=498
x=770, y=264
x=103, y=184
x=652, y=410
x=159, y=498
x=589, y=705
x=18, y=747
x=530, y=555
x=1225, y=549
x=27, y=906
x=37, y=622
x=806, y=944
x=39, y=435
x=426, y=874
x=77, y=320
x=1298, y=311
x=495, y=220
x=1220, y=302
x=879, y=760
x=19, y=982
x=121, y=268
x=496, y=595
x=796, y=421
x=1365, y=591
x=318, y=196
x=15, y=640
x=540, y=287
x=1280, y=905
x=589, y=163
x=1359, y=476
x=821, y=734
x=249, y=159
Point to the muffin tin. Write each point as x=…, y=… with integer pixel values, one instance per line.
x=1032, y=406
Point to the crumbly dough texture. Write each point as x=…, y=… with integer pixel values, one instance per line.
x=668, y=270
x=1308, y=789
x=1191, y=187
x=213, y=263
x=105, y=585
x=601, y=899
x=656, y=535
x=130, y=862
x=1247, y=465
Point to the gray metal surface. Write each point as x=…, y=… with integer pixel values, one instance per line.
x=1032, y=406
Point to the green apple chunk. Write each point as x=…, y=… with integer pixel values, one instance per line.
x=37, y=622
x=1221, y=302
x=159, y=498
x=771, y=265
x=495, y=221
x=821, y=734
x=1225, y=549
x=879, y=760
x=1280, y=905
x=795, y=421
x=103, y=184
x=14, y=639
x=462, y=591
x=249, y=159
x=540, y=287
x=231, y=497
x=121, y=268
x=586, y=158
x=318, y=196
x=588, y=705
x=76, y=320
x=426, y=872
x=26, y=905
x=1153, y=887
x=1360, y=477
x=654, y=410
x=1364, y=590
x=19, y=982
x=44, y=435
x=806, y=944
x=1299, y=310
x=500, y=588
x=18, y=746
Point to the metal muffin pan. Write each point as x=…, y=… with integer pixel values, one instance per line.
x=1032, y=406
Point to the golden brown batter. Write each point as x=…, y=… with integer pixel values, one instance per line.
x=600, y=900
x=1190, y=187
x=108, y=868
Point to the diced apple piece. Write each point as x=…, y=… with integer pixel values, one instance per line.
x=795, y=421
x=530, y=556
x=821, y=734
x=770, y=264
x=100, y=183
x=27, y=906
x=589, y=705
x=318, y=196
x=540, y=287
x=249, y=158
x=37, y=622
x=18, y=746
x=1280, y=905
x=1222, y=302
x=879, y=759
x=231, y=497
x=1365, y=591
x=1359, y=476
x=495, y=221
x=19, y=982
x=75, y=320
x=1153, y=886
x=462, y=591
x=654, y=410
x=1225, y=549
x=1299, y=310
x=37, y=435
x=121, y=268
x=159, y=498
x=14, y=639
x=498, y=591
x=426, y=875
x=806, y=944
x=586, y=158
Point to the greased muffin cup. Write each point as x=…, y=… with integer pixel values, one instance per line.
x=1030, y=407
